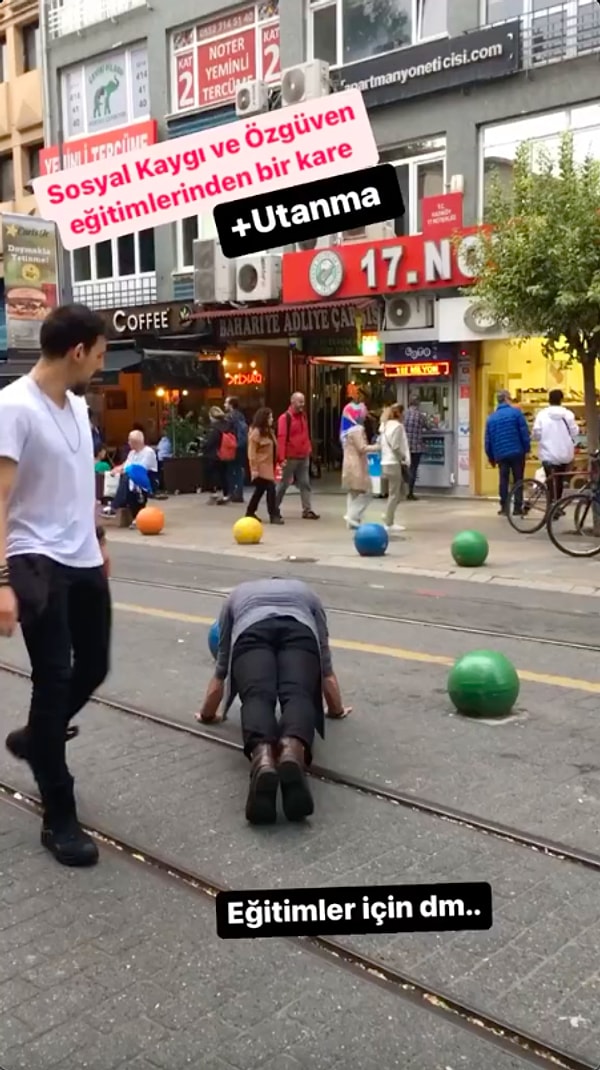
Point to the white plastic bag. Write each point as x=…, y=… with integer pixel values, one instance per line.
x=540, y=476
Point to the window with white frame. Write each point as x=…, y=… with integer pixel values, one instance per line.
x=194, y=227
x=343, y=31
x=118, y=258
x=209, y=60
x=107, y=91
x=500, y=142
x=551, y=31
x=421, y=170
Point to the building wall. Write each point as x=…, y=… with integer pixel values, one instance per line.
x=21, y=108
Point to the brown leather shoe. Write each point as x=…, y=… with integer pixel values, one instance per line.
x=295, y=792
x=261, y=805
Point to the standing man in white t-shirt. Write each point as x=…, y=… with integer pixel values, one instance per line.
x=53, y=563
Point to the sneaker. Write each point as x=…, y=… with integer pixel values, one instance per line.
x=310, y=514
x=394, y=528
x=68, y=843
x=277, y=520
x=222, y=501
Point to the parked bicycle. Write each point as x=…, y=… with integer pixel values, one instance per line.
x=574, y=521
x=531, y=501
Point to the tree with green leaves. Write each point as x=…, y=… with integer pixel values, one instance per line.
x=538, y=264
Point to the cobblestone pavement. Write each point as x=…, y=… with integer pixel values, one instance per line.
x=537, y=967
x=116, y=969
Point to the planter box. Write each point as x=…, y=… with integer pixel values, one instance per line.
x=183, y=475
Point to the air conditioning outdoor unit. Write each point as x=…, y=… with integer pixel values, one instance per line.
x=414, y=312
x=372, y=232
x=258, y=278
x=251, y=98
x=305, y=82
x=214, y=274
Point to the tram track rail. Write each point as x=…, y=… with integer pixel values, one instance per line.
x=383, y=618
x=519, y=837
x=512, y=1039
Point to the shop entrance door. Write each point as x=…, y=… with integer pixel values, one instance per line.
x=437, y=402
x=328, y=385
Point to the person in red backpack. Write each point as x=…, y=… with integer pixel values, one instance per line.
x=220, y=449
x=294, y=450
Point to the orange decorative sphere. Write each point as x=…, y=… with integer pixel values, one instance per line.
x=150, y=520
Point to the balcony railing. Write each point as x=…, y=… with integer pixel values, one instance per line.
x=563, y=31
x=136, y=290
x=72, y=16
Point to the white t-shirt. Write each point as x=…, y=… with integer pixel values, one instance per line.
x=52, y=509
x=146, y=457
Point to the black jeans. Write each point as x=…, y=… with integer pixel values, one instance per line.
x=415, y=460
x=217, y=473
x=66, y=621
x=134, y=500
x=555, y=479
x=515, y=467
x=277, y=659
x=263, y=486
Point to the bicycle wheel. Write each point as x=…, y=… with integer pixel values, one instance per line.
x=574, y=525
x=527, y=506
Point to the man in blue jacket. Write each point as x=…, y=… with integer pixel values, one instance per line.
x=507, y=443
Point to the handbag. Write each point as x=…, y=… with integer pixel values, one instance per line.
x=111, y=484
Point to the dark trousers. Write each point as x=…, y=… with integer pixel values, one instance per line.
x=134, y=500
x=237, y=476
x=511, y=467
x=263, y=486
x=66, y=620
x=415, y=460
x=218, y=476
x=555, y=485
x=277, y=659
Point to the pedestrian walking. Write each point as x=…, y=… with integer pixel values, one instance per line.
x=53, y=563
x=556, y=430
x=294, y=451
x=356, y=480
x=395, y=461
x=262, y=455
x=274, y=647
x=507, y=443
x=237, y=470
x=415, y=425
x=220, y=451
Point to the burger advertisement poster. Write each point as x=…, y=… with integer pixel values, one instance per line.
x=30, y=277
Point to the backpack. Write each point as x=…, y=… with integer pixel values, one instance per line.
x=228, y=448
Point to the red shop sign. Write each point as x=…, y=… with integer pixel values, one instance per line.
x=396, y=265
x=98, y=146
x=223, y=64
x=442, y=216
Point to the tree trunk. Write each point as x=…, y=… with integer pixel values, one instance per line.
x=591, y=411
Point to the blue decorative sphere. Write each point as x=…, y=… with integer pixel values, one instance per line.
x=371, y=540
x=213, y=638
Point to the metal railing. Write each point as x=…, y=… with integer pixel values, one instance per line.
x=72, y=16
x=561, y=32
x=136, y=290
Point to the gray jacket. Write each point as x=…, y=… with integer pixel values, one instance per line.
x=258, y=600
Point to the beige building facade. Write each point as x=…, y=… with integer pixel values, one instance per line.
x=21, y=105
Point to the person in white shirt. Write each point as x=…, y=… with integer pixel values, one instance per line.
x=395, y=457
x=53, y=563
x=556, y=431
x=128, y=495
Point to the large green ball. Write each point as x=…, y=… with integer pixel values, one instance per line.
x=484, y=683
x=470, y=549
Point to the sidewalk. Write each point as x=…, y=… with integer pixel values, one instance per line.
x=515, y=560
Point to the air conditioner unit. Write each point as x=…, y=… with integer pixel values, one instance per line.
x=214, y=274
x=305, y=82
x=251, y=98
x=414, y=312
x=372, y=232
x=258, y=278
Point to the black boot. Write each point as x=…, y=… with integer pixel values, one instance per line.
x=17, y=742
x=261, y=805
x=62, y=834
x=295, y=792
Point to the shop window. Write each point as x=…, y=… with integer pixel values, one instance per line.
x=127, y=256
x=31, y=47
x=343, y=31
x=418, y=177
x=7, y=179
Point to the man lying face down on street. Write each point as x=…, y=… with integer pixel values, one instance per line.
x=274, y=645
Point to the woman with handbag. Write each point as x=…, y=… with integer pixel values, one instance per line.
x=262, y=454
x=395, y=461
x=356, y=480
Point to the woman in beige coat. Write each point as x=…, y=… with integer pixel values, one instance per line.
x=262, y=453
x=356, y=480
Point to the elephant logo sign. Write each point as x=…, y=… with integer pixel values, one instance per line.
x=102, y=97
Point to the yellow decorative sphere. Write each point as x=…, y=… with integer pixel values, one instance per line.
x=247, y=531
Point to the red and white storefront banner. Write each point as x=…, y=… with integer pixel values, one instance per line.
x=392, y=266
x=98, y=147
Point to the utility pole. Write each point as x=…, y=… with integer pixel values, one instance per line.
x=65, y=273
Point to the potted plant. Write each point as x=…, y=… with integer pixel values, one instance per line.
x=183, y=471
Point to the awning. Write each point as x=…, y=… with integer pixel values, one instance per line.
x=121, y=360
x=308, y=306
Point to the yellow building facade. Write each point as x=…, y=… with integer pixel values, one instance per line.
x=21, y=105
x=522, y=369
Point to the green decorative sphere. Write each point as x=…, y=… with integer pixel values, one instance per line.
x=484, y=684
x=470, y=549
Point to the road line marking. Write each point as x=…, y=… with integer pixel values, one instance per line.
x=398, y=653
